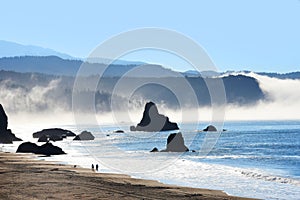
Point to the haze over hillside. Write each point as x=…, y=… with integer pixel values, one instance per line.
x=240, y=90
x=45, y=83
x=249, y=96
x=54, y=65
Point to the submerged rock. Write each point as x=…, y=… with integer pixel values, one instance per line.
x=84, y=135
x=154, y=149
x=210, y=128
x=6, y=136
x=46, y=149
x=54, y=132
x=175, y=143
x=119, y=131
x=153, y=121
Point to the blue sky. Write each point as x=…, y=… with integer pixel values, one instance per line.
x=251, y=34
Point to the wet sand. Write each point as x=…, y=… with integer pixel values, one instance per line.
x=23, y=177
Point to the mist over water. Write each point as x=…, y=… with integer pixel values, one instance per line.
x=282, y=101
x=17, y=98
x=39, y=105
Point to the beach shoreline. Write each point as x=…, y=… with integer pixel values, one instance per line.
x=23, y=176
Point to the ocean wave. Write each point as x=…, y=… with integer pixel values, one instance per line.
x=278, y=179
x=212, y=157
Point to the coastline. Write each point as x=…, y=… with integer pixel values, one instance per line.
x=22, y=176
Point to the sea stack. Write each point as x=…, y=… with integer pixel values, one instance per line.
x=152, y=121
x=175, y=143
x=6, y=136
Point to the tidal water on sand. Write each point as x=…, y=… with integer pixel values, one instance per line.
x=250, y=159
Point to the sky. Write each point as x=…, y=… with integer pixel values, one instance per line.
x=237, y=35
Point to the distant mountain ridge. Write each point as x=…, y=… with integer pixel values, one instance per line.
x=30, y=58
x=115, y=62
x=54, y=65
x=194, y=73
x=12, y=49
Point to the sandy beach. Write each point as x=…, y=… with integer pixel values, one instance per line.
x=23, y=177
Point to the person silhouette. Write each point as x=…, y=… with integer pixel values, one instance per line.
x=96, y=167
x=92, y=166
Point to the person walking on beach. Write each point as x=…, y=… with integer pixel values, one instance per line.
x=96, y=167
x=93, y=167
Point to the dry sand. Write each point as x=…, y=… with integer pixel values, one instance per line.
x=22, y=177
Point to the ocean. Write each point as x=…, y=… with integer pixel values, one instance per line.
x=258, y=159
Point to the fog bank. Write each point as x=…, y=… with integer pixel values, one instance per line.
x=38, y=105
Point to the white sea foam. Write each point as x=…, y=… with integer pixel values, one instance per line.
x=261, y=175
x=230, y=179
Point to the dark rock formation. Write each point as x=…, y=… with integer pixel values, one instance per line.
x=46, y=149
x=210, y=128
x=6, y=136
x=119, y=131
x=153, y=121
x=3, y=119
x=54, y=132
x=154, y=150
x=175, y=143
x=27, y=147
x=84, y=135
x=54, y=138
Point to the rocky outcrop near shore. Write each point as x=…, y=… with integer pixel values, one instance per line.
x=46, y=149
x=6, y=136
x=54, y=134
